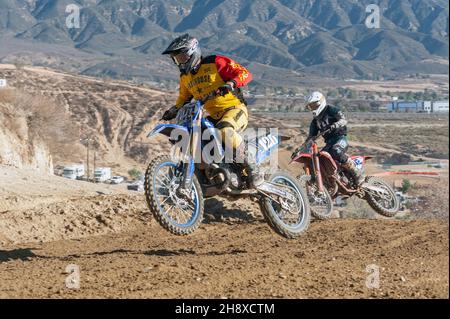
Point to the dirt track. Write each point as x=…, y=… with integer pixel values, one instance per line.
x=238, y=260
x=122, y=252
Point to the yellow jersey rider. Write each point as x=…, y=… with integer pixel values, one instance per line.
x=202, y=75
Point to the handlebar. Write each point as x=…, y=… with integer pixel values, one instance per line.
x=211, y=95
x=309, y=141
x=320, y=134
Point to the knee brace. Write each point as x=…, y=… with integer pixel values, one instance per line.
x=338, y=153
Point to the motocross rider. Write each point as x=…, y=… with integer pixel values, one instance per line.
x=327, y=117
x=200, y=76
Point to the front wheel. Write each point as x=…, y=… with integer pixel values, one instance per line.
x=320, y=202
x=384, y=201
x=179, y=212
x=287, y=218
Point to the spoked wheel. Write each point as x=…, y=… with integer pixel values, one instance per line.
x=383, y=201
x=320, y=202
x=178, y=211
x=289, y=218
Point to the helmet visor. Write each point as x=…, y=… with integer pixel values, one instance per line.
x=180, y=57
x=313, y=106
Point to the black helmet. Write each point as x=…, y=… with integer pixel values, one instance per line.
x=185, y=53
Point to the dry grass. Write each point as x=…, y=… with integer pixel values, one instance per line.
x=37, y=117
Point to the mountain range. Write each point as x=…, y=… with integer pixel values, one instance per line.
x=282, y=41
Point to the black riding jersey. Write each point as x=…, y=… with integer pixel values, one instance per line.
x=329, y=116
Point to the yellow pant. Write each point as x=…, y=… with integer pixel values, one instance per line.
x=230, y=122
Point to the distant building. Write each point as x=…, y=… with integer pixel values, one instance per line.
x=2, y=83
x=418, y=107
x=404, y=107
x=440, y=107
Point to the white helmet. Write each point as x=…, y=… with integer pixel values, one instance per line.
x=316, y=103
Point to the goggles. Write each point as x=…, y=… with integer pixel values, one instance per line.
x=313, y=105
x=180, y=58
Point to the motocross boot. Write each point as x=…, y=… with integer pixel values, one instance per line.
x=248, y=157
x=353, y=172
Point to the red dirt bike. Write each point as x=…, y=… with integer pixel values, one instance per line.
x=325, y=180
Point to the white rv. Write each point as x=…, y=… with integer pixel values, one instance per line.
x=75, y=171
x=102, y=174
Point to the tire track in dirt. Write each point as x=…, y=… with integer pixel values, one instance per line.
x=238, y=260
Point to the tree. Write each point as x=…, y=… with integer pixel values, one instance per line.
x=410, y=96
x=351, y=94
x=434, y=96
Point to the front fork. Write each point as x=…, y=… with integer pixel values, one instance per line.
x=189, y=163
x=316, y=168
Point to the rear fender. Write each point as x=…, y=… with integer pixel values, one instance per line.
x=303, y=158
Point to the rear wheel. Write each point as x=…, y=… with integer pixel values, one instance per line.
x=288, y=218
x=179, y=212
x=384, y=202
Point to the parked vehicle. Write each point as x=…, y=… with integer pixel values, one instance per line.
x=75, y=171
x=102, y=174
x=324, y=181
x=137, y=185
x=117, y=179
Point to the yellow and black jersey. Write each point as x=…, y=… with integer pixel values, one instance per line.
x=214, y=71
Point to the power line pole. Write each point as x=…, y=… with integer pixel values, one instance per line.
x=94, y=163
x=88, y=140
x=88, y=172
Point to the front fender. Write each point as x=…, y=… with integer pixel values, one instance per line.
x=166, y=129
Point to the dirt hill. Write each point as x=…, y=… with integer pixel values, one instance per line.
x=116, y=115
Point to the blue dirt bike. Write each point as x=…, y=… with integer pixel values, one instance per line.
x=175, y=189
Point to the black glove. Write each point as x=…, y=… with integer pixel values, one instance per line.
x=224, y=89
x=294, y=155
x=333, y=127
x=170, y=114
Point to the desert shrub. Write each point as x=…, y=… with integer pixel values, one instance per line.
x=134, y=173
x=409, y=205
x=406, y=185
